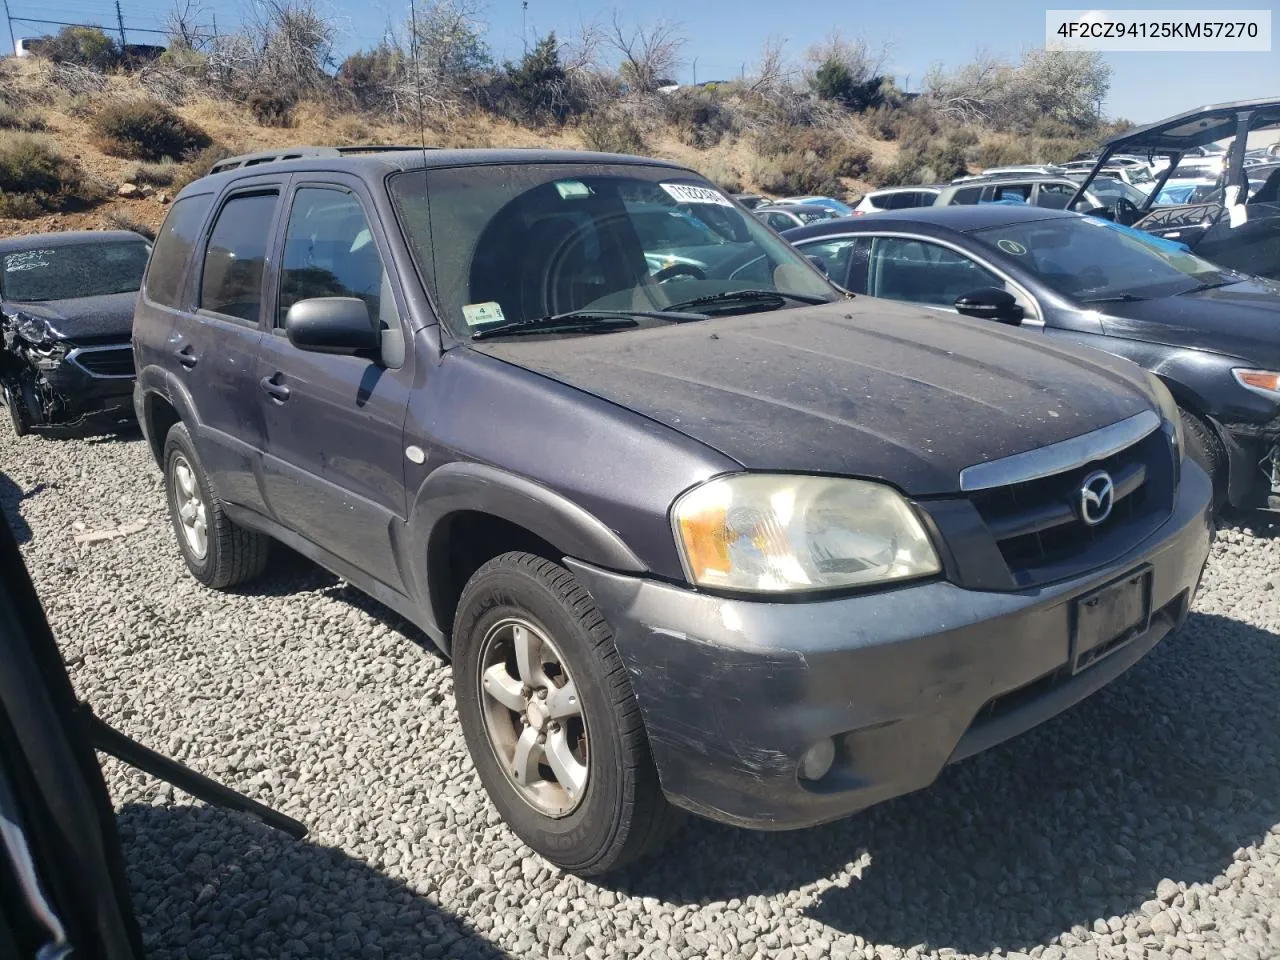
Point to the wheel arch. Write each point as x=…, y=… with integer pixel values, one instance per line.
x=467, y=513
x=164, y=402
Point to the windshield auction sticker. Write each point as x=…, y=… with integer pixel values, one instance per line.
x=1140, y=31
x=478, y=314
x=688, y=193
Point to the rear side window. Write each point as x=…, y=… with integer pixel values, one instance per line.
x=231, y=282
x=172, y=251
x=967, y=195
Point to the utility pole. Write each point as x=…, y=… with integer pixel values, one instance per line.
x=695, y=71
x=13, y=41
x=524, y=24
x=120, y=21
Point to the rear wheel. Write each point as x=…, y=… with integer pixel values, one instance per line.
x=17, y=408
x=550, y=720
x=1204, y=447
x=218, y=552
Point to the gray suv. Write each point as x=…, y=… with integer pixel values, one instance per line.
x=700, y=532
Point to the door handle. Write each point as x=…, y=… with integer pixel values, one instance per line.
x=276, y=391
x=186, y=357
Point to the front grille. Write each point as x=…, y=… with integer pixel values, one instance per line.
x=1038, y=527
x=114, y=361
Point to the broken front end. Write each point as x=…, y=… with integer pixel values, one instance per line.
x=47, y=380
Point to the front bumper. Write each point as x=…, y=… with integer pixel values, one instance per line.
x=905, y=680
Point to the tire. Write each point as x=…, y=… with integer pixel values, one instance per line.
x=620, y=814
x=231, y=554
x=17, y=412
x=1204, y=447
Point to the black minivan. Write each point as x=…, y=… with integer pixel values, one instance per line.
x=699, y=534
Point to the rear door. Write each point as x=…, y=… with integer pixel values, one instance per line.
x=333, y=466
x=218, y=348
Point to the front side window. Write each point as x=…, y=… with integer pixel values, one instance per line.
x=968, y=195
x=173, y=249
x=67, y=271
x=1055, y=196
x=231, y=282
x=921, y=272
x=1095, y=260
x=329, y=251
x=500, y=244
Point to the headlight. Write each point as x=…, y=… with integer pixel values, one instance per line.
x=1168, y=411
x=30, y=329
x=776, y=533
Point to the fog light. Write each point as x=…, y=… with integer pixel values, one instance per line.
x=817, y=760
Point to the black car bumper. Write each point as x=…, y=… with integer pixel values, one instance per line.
x=903, y=681
x=92, y=380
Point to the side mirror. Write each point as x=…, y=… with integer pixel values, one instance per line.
x=819, y=263
x=990, y=303
x=332, y=325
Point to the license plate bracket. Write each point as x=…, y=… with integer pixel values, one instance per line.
x=1110, y=617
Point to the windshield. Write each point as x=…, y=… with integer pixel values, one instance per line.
x=79, y=270
x=1091, y=259
x=513, y=243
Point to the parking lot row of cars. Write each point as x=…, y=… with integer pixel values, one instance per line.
x=767, y=530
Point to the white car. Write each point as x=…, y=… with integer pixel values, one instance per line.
x=896, y=198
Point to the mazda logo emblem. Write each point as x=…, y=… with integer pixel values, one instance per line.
x=1097, y=495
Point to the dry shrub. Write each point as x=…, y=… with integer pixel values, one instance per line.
x=271, y=109
x=723, y=174
x=699, y=117
x=12, y=118
x=156, y=174
x=146, y=130
x=200, y=164
x=808, y=160
x=609, y=133
x=120, y=220
x=35, y=178
x=791, y=174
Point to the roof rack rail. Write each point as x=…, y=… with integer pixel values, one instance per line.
x=297, y=153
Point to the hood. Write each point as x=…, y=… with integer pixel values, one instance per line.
x=863, y=388
x=83, y=319
x=1241, y=320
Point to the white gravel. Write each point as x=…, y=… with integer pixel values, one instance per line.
x=1143, y=823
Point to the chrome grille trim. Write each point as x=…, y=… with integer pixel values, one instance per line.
x=74, y=357
x=1060, y=457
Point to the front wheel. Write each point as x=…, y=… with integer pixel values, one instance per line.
x=1204, y=447
x=16, y=405
x=550, y=720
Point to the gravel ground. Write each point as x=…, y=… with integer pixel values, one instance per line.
x=1146, y=822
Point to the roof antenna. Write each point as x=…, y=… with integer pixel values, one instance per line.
x=417, y=82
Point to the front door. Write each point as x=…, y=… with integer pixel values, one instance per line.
x=333, y=466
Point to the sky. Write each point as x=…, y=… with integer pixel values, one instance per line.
x=725, y=37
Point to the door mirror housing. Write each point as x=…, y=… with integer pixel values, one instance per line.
x=332, y=325
x=990, y=303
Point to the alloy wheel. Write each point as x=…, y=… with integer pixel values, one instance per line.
x=533, y=716
x=193, y=516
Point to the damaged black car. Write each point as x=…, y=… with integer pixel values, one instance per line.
x=67, y=301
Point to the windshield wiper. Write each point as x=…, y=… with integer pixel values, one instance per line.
x=1212, y=286
x=1117, y=298
x=776, y=297
x=583, y=321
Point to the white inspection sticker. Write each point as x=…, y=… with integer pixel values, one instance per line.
x=688, y=193
x=478, y=314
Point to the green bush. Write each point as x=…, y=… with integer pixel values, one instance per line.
x=35, y=178
x=792, y=174
x=613, y=134
x=82, y=46
x=367, y=75
x=812, y=155
x=834, y=80
x=538, y=90
x=146, y=130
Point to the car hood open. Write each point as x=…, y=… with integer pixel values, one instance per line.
x=1241, y=320
x=863, y=388
x=83, y=319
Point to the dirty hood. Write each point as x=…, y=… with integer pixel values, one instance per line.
x=82, y=319
x=862, y=388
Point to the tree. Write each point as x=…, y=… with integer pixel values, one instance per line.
x=539, y=84
x=649, y=54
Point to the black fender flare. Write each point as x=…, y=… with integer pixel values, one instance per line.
x=156, y=381
x=476, y=487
